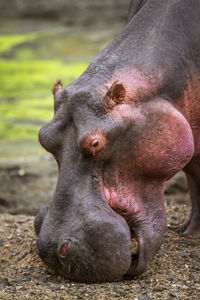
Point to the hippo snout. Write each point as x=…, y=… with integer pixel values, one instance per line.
x=98, y=249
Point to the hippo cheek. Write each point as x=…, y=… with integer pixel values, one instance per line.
x=157, y=148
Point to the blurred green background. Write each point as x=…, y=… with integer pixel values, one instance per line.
x=33, y=55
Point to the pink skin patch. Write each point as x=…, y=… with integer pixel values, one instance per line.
x=137, y=85
x=64, y=249
x=163, y=146
x=189, y=106
x=122, y=195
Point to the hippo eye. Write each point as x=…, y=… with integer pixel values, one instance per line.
x=95, y=144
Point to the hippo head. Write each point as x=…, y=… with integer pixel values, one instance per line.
x=113, y=157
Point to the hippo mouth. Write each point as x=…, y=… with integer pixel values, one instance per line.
x=138, y=264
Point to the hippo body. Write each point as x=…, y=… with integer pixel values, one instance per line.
x=128, y=124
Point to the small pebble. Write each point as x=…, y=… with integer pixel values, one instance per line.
x=16, y=252
x=19, y=287
x=192, y=276
x=2, y=241
x=183, y=254
x=185, y=287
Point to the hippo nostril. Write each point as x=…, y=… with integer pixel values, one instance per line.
x=95, y=143
x=64, y=248
x=40, y=218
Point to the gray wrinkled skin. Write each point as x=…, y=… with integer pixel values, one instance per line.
x=118, y=133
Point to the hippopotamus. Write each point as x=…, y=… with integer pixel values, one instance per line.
x=130, y=122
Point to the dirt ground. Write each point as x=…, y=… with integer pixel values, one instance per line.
x=25, y=186
x=174, y=273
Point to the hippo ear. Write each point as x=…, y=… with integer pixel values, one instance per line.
x=58, y=87
x=116, y=94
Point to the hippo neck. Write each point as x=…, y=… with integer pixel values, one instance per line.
x=148, y=44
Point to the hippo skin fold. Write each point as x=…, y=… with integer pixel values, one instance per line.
x=130, y=122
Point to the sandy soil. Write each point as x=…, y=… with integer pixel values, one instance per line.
x=174, y=273
x=25, y=186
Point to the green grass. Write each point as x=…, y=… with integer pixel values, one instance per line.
x=25, y=93
x=35, y=78
x=7, y=42
x=30, y=63
x=26, y=82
